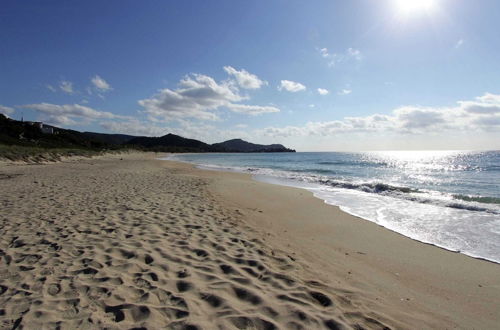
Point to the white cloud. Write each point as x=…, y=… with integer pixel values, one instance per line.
x=415, y=118
x=66, y=86
x=252, y=109
x=335, y=58
x=459, y=43
x=245, y=79
x=345, y=92
x=6, y=110
x=489, y=98
x=59, y=120
x=480, y=108
x=482, y=114
x=70, y=113
x=489, y=122
x=354, y=53
x=101, y=84
x=135, y=127
x=71, y=110
x=51, y=88
x=322, y=91
x=486, y=104
x=241, y=126
x=197, y=97
x=291, y=86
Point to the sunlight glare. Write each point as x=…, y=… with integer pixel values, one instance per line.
x=408, y=7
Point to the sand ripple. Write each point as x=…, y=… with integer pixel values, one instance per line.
x=130, y=244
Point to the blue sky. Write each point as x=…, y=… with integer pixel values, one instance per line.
x=313, y=75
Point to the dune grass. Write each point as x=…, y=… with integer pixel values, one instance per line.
x=40, y=155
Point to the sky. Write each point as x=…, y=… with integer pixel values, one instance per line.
x=312, y=75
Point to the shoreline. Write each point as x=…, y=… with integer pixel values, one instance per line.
x=413, y=239
x=131, y=241
x=447, y=271
x=284, y=183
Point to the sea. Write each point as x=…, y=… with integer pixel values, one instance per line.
x=450, y=199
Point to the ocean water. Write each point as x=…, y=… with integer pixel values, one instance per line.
x=447, y=198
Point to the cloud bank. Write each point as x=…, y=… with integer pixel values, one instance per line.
x=70, y=114
x=481, y=114
x=198, y=96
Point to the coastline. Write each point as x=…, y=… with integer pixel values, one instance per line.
x=117, y=240
x=342, y=209
x=405, y=276
x=431, y=217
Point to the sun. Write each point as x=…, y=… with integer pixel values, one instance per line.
x=408, y=7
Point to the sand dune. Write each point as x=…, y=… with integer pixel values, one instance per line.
x=130, y=243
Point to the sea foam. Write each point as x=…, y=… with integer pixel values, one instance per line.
x=449, y=199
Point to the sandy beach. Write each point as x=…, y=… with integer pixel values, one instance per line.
x=129, y=241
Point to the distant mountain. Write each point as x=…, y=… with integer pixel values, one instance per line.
x=109, y=138
x=13, y=132
x=239, y=145
x=171, y=143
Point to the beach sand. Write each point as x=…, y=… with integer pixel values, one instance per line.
x=127, y=241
